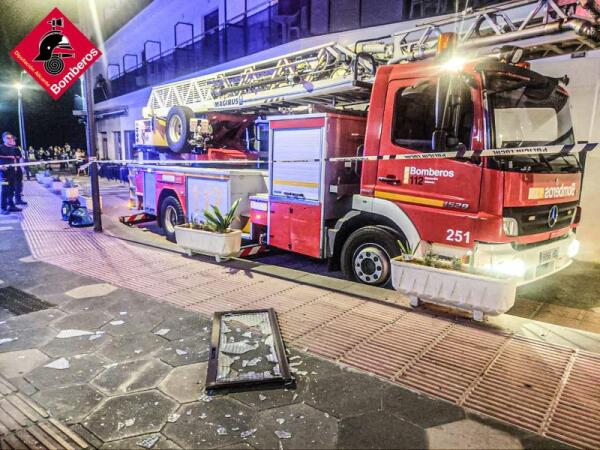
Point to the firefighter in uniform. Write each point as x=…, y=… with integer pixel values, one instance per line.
x=18, y=177
x=7, y=156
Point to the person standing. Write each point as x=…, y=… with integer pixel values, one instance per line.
x=18, y=177
x=29, y=156
x=7, y=156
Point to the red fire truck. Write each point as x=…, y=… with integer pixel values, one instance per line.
x=346, y=134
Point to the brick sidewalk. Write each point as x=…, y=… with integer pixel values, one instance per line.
x=537, y=386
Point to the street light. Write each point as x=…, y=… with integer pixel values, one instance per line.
x=19, y=87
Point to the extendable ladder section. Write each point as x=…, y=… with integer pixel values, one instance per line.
x=324, y=74
x=337, y=76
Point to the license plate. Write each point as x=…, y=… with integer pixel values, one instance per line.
x=548, y=255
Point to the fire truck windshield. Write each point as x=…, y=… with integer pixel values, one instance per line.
x=527, y=113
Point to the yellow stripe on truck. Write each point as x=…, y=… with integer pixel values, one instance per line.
x=410, y=199
x=296, y=183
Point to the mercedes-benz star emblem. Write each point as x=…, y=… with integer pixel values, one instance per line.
x=553, y=216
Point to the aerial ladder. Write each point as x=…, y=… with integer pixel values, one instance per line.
x=340, y=77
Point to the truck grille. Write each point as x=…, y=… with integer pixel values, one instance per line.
x=534, y=219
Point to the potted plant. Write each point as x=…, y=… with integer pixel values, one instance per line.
x=449, y=282
x=211, y=236
x=56, y=186
x=69, y=191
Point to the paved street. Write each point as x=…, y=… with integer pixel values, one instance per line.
x=370, y=372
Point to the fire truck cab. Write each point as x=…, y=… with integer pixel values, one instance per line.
x=513, y=215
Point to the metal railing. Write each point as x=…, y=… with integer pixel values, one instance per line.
x=266, y=26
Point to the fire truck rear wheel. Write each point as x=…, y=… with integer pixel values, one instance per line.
x=171, y=214
x=367, y=253
x=178, y=128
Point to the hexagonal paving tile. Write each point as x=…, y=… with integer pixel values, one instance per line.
x=308, y=427
x=380, y=430
x=132, y=303
x=36, y=319
x=70, y=403
x=184, y=325
x=19, y=363
x=186, y=383
x=75, y=345
x=23, y=339
x=133, y=346
x=217, y=423
x=91, y=290
x=130, y=415
x=346, y=394
x=132, y=323
x=467, y=434
x=189, y=350
x=419, y=409
x=87, y=320
x=88, y=304
x=316, y=367
x=131, y=376
x=260, y=399
x=81, y=370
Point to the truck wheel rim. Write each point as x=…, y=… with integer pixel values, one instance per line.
x=371, y=264
x=170, y=219
x=175, y=128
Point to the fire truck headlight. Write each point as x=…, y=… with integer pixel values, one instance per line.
x=573, y=248
x=454, y=65
x=512, y=268
x=510, y=226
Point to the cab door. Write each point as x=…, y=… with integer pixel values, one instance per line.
x=409, y=122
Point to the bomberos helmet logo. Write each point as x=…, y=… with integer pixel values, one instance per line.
x=53, y=47
x=55, y=53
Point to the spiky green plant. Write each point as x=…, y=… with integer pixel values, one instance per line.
x=405, y=248
x=217, y=221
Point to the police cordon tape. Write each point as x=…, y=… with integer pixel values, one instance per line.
x=40, y=163
x=561, y=150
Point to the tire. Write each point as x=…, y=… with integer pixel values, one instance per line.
x=367, y=253
x=171, y=214
x=177, y=129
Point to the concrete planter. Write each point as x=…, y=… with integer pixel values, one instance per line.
x=70, y=194
x=219, y=245
x=478, y=294
x=56, y=187
x=47, y=181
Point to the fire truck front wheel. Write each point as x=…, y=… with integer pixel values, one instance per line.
x=178, y=128
x=171, y=214
x=367, y=253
